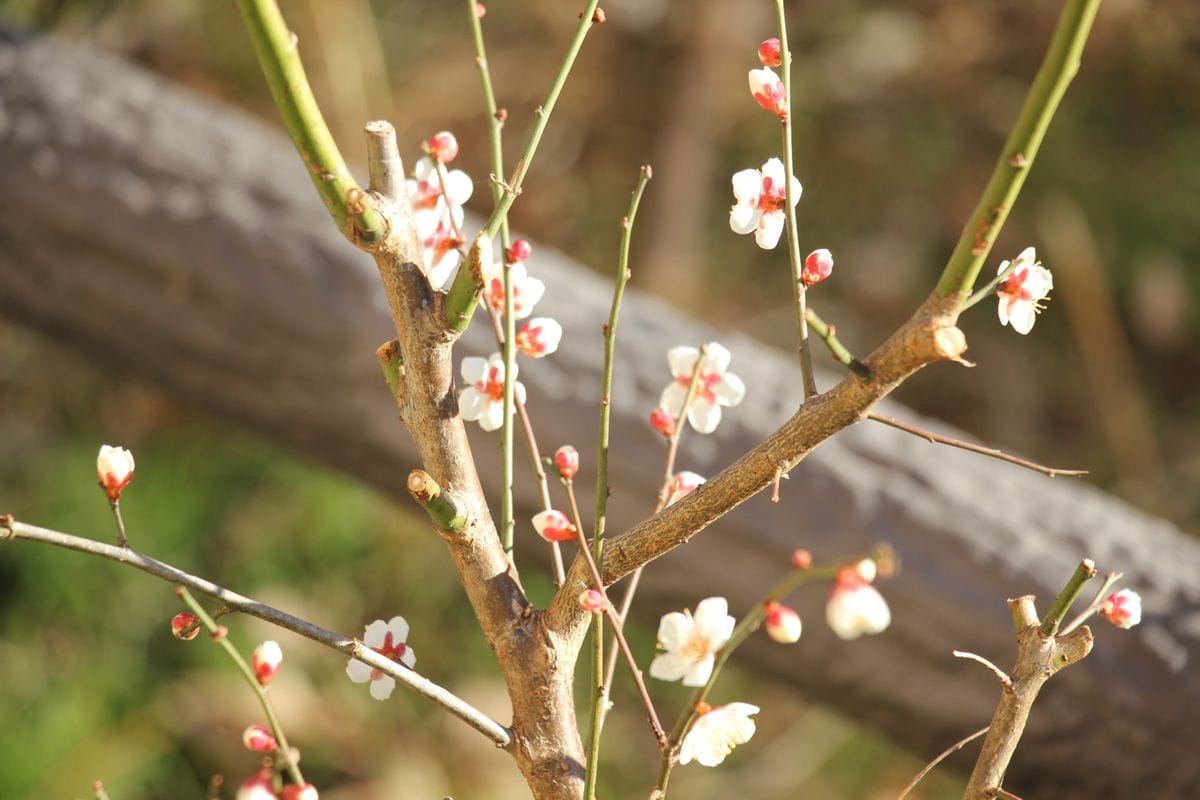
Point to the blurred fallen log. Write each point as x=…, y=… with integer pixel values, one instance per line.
x=176, y=239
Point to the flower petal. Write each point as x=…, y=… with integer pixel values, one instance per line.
x=669, y=667
x=743, y=218
x=474, y=369
x=459, y=187
x=717, y=358
x=682, y=360
x=471, y=404
x=398, y=628
x=730, y=391
x=1022, y=316
x=674, y=629
x=492, y=417
x=747, y=186
x=357, y=671
x=770, y=227
x=699, y=671
x=773, y=169
x=703, y=415
x=375, y=634
x=672, y=398
x=381, y=688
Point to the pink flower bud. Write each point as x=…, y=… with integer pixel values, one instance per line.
x=114, y=468
x=519, y=251
x=783, y=623
x=663, y=421
x=566, y=459
x=553, y=526
x=480, y=10
x=220, y=633
x=266, y=660
x=1123, y=608
x=442, y=147
x=259, y=739
x=769, y=53
x=295, y=792
x=539, y=337
x=817, y=267
x=801, y=558
x=683, y=484
x=592, y=601
x=767, y=89
x=867, y=570
x=185, y=626
x=259, y=786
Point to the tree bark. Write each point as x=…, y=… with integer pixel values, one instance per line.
x=175, y=239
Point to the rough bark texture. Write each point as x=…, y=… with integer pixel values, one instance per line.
x=126, y=199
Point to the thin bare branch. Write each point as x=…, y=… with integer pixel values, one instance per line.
x=15, y=530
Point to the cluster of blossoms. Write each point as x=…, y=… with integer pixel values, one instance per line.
x=437, y=195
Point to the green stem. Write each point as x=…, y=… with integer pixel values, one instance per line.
x=461, y=299
x=664, y=492
x=1110, y=580
x=392, y=363
x=279, y=56
x=1062, y=604
x=1058, y=68
x=610, y=344
x=440, y=507
x=260, y=691
x=598, y=656
x=495, y=119
x=799, y=291
x=828, y=334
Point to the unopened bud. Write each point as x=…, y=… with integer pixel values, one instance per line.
x=296, y=792
x=266, y=660
x=592, y=601
x=817, y=267
x=782, y=623
x=259, y=739
x=185, y=625
x=114, y=468
x=770, y=53
x=553, y=526
x=801, y=558
x=663, y=421
x=518, y=251
x=442, y=147
x=566, y=459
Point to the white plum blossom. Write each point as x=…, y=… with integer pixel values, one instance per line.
x=716, y=732
x=526, y=290
x=761, y=202
x=715, y=387
x=483, y=397
x=438, y=217
x=1022, y=290
x=856, y=607
x=690, y=642
x=539, y=337
x=389, y=640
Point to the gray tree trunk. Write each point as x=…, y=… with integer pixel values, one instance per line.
x=178, y=240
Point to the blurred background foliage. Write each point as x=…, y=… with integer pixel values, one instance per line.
x=900, y=110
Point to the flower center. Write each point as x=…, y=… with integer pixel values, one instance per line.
x=773, y=196
x=704, y=386
x=389, y=649
x=494, y=388
x=1014, y=285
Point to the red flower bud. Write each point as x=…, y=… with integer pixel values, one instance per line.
x=266, y=660
x=566, y=458
x=769, y=53
x=185, y=625
x=817, y=267
x=663, y=421
x=442, y=147
x=520, y=250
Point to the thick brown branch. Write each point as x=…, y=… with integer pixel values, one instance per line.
x=1038, y=657
x=929, y=336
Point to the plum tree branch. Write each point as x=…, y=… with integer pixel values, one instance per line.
x=14, y=530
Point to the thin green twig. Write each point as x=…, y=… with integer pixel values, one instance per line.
x=828, y=334
x=278, y=54
x=1058, y=68
x=799, y=291
x=221, y=638
x=461, y=299
x=1062, y=604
